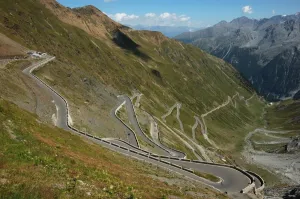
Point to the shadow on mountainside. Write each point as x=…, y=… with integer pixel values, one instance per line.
x=125, y=42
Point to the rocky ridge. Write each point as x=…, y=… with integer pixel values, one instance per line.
x=265, y=51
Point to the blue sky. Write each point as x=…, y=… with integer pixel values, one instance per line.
x=194, y=13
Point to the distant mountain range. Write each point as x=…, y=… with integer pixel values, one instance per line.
x=169, y=31
x=265, y=51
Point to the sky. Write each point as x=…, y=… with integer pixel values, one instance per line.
x=192, y=13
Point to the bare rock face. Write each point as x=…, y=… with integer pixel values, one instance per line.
x=293, y=194
x=293, y=146
x=290, y=192
x=266, y=51
x=297, y=96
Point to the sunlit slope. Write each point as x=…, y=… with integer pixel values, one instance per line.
x=90, y=70
x=38, y=161
x=284, y=115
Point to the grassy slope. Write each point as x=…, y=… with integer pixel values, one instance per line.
x=9, y=48
x=232, y=124
x=279, y=117
x=188, y=75
x=284, y=115
x=38, y=161
x=84, y=63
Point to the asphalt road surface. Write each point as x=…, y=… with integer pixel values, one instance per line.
x=233, y=180
x=131, y=138
x=161, y=149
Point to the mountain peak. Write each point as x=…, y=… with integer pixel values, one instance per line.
x=88, y=10
x=257, y=48
x=223, y=22
x=88, y=18
x=242, y=20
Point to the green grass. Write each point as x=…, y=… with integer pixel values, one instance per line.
x=270, y=148
x=233, y=124
x=172, y=121
x=289, y=134
x=38, y=161
x=187, y=120
x=122, y=114
x=146, y=129
x=258, y=137
x=283, y=115
x=134, y=100
x=12, y=72
x=207, y=176
x=188, y=75
x=168, y=139
x=270, y=179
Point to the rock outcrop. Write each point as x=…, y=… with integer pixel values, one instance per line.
x=266, y=51
x=293, y=146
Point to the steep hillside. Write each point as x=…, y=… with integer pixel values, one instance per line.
x=88, y=18
x=276, y=147
x=169, y=31
x=284, y=115
x=102, y=59
x=38, y=161
x=10, y=48
x=265, y=51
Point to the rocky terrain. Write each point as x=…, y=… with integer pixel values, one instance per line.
x=185, y=99
x=293, y=146
x=98, y=59
x=291, y=192
x=265, y=51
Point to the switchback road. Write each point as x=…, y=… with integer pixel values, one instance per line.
x=233, y=179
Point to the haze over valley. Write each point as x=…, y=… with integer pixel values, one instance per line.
x=129, y=99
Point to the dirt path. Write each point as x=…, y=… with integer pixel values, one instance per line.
x=138, y=99
x=276, y=139
x=194, y=128
x=169, y=112
x=198, y=146
x=288, y=165
x=203, y=124
x=247, y=100
x=178, y=117
x=181, y=132
x=197, y=122
x=180, y=138
x=154, y=130
x=178, y=107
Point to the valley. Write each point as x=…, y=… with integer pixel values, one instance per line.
x=100, y=110
x=265, y=51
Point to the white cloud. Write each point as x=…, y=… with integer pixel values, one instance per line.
x=152, y=19
x=174, y=17
x=165, y=15
x=273, y=12
x=247, y=9
x=150, y=14
x=123, y=17
x=184, y=18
